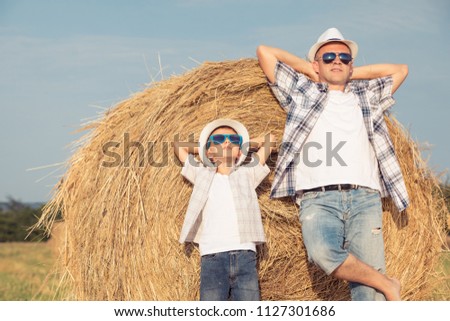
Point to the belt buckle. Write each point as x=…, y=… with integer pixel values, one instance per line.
x=343, y=187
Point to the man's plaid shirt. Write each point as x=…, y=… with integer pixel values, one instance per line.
x=304, y=101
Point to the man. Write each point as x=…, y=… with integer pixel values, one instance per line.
x=337, y=158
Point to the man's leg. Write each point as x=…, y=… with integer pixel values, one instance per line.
x=365, y=266
x=354, y=270
x=323, y=230
x=323, y=217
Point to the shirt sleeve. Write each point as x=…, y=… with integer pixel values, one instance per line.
x=382, y=90
x=257, y=172
x=287, y=83
x=190, y=168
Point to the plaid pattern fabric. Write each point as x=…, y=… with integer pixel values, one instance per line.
x=243, y=182
x=304, y=101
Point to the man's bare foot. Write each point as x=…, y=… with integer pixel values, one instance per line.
x=394, y=290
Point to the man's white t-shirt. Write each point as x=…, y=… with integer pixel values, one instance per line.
x=338, y=151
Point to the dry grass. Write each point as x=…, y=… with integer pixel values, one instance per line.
x=122, y=223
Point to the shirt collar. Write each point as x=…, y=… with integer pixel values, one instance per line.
x=351, y=86
x=322, y=86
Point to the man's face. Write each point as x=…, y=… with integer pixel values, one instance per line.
x=336, y=73
x=225, y=152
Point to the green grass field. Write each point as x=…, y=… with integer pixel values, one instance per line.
x=442, y=292
x=25, y=270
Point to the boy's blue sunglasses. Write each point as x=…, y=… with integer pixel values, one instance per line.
x=218, y=139
x=329, y=57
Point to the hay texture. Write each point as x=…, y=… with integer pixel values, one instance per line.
x=122, y=222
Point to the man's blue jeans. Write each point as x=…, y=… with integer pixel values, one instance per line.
x=336, y=223
x=229, y=275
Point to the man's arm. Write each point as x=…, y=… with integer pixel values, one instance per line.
x=268, y=57
x=265, y=146
x=397, y=71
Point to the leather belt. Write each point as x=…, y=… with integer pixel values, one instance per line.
x=337, y=187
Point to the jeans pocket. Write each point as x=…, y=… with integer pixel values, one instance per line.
x=309, y=195
x=249, y=256
x=307, y=198
x=209, y=256
x=369, y=190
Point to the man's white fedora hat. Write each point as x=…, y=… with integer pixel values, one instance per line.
x=210, y=127
x=332, y=35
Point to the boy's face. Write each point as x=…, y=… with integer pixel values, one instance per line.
x=225, y=152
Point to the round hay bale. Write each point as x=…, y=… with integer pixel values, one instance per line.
x=123, y=199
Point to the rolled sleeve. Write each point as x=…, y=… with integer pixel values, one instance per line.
x=190, y=168
x=261, y=171
x=287, y=83
x=382, y=89
x=256, y=172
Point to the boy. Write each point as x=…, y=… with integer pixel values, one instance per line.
x=223, y=215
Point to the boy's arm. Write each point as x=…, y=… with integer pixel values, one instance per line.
x=265, y=145
x=398, y=72
x=269, y=56
x=183, y=149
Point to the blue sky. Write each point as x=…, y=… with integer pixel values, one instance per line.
x=63, y=63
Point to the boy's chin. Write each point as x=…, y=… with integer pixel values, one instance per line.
x=228, y=161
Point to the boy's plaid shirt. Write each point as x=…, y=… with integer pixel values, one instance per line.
x=243, y=182
x=304, y=101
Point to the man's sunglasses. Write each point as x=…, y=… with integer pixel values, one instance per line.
x=329, y=57
x=218, y=139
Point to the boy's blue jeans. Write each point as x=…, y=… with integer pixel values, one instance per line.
x=229, y=275
x=336, y=223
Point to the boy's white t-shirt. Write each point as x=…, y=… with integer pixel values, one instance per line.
x=220, y=231
x=338, y=151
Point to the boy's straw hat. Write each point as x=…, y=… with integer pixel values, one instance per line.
x=209, y=128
